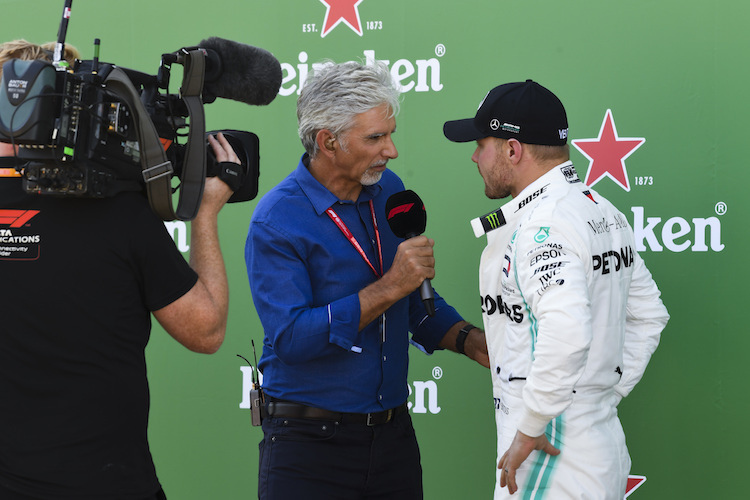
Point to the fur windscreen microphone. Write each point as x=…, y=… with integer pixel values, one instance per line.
x=239, y=72
x=407, y=218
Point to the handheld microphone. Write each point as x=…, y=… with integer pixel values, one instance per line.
x=407, y=217
x=239, y=72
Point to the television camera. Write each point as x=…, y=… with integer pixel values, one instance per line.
x=96, y=129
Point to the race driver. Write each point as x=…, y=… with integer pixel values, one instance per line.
x=572, y=315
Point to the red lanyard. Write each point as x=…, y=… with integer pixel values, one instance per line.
x=344, y=229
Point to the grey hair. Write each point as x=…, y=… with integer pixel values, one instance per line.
x=334, y=94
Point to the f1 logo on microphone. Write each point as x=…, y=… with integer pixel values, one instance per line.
x=401, y=209
x=16, y=218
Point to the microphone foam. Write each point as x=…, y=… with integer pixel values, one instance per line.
x=240, y=72
x=406, y=214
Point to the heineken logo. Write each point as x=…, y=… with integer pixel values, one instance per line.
x=607, y=153
x=341, y=11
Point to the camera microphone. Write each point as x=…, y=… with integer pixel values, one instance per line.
x=407, y=218
x=239, y=72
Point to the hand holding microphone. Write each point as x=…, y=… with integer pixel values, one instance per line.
x=407, y=218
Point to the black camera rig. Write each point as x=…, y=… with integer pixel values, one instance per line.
x=97, y=129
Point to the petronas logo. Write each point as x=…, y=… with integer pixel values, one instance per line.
x=542, y=235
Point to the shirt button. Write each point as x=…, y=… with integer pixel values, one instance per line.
x=380, y=397
x=385, y=358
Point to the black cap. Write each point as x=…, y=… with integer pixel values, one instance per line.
x=525, y=111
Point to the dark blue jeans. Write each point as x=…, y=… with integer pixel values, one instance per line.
x=328, y=460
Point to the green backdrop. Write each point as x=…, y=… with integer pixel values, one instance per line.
x=670, y=75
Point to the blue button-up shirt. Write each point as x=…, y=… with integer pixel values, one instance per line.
x=305, y=276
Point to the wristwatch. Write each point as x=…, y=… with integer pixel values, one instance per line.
x=461, y=337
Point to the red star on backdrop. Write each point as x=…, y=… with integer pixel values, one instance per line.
x=341, y=11
x=607, y=153
x=634, y=482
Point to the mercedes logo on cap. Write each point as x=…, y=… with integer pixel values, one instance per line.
x=494, y=124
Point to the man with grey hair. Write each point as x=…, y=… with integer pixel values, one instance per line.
x=336, y=292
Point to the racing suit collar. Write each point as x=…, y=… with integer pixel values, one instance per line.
x=500, y=217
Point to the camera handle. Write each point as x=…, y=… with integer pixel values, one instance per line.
x=157, y=169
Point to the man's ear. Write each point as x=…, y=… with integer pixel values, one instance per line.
x=326, y=142
x=515, y=150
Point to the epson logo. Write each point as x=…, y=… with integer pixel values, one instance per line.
x=546, y=255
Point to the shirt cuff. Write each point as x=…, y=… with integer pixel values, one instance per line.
x=430, y=330
x=533, y=424
x=343, y=321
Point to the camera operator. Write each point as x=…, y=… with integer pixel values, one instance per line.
x=80, y=279
x=26, y=51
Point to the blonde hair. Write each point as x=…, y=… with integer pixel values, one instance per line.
x=27, y=51
x=544, y=153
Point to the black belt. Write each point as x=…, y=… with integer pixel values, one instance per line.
x=286, y=409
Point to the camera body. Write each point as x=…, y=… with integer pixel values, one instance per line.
x=74, y=136
x=83, y=132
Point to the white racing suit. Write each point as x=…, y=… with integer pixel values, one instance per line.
x=572, y=317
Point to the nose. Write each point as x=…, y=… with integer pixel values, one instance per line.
x=475, y=156
x=390, y=150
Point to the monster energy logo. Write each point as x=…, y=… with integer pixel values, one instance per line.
x=486, y=223
x=493, y=220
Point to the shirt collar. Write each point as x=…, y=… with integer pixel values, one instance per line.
x=537, y=189
x=320, y=197
x=508, y=212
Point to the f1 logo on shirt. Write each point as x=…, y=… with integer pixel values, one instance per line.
x=16, y=218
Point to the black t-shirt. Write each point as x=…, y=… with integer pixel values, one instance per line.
x=78, y=279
